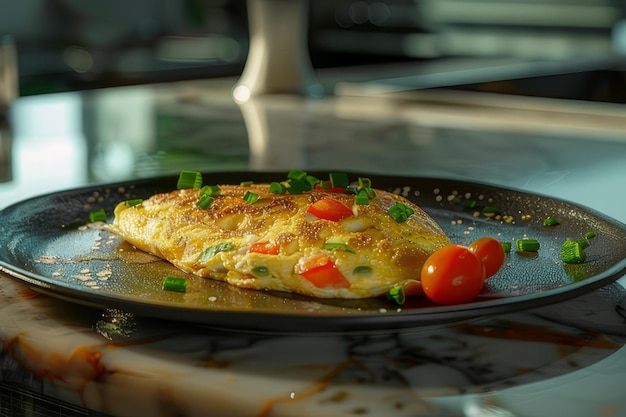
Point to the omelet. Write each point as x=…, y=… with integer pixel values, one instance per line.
x=318, y=243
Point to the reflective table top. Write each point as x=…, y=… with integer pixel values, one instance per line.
x=566, y=358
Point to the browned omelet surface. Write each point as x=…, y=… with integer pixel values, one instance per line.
x=219, y=242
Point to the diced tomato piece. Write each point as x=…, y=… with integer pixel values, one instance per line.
x=330, y=209
x=265, y=248
x=326, y=275
x=330, y=188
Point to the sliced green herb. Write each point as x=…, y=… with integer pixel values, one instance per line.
x=297, y=186
x=396, y=295
x=176, y=284
x=469, y=203
x=213, y=190
x=590, y=235
x=277, y=188
x=527, y=245
x=339, y=179
x=572, y=252
x=550, y=221
x=251, y=197
x=189, y=179
x=246, y=183
x=400, y=212
x=260, y=271
x=205, y=201
x=362, y=270
x=365, y=183
x=362, y=199
x=296, y=174
x=99, y=215
x=489, y=211
x=583, y=242
x=211, y=251
x=506, y=246
x=133, y=202
x=343, y=246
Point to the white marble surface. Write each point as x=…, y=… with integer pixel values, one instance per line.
x=528, y=363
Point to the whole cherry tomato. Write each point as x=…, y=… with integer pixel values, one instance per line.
x=490, y=253
x=452, y=275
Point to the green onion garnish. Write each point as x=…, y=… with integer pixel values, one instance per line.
x=296, y=174
x=469, y=203
x=362, y=198
x=550, y=221
x=189, y=179
x=250, y=197
x=176, y=284
x=400, y=212
x=489, y=211
x=312, y=181
x=260, y=271
x=396, y=295
x=99, y=215
x=365, y=183
x=211, y=251
x=583, y=242
x=246, y=183
x=590, y=235
x=572, y=252
x=506, y=246
x=343, y=246
x=527, y=245
x=339, y=179
x=297, y=186
x=210, y=190
x=133, y=202
x=277, y=188
x=362, y=270
x=205, y=201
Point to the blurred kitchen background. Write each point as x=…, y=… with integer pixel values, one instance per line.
x=67, y=45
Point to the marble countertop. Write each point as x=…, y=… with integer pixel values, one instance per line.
x=563, y=359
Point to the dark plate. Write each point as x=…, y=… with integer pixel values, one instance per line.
x=45, y=244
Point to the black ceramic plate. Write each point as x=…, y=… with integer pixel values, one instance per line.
x=44, y=242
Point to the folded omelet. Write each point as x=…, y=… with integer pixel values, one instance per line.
x=317, y=243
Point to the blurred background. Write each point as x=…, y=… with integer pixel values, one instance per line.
x=79, y=44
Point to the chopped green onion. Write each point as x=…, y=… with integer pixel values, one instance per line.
x=456, y=200
x=339, y=179
x=312, y=181
x=469, y=203
x=572, y=252
x=277, y=188
x=550, y=221
x=362, y=198
x=489, y=211
x=365, y=183
x=331, y=246
x=205, y=201
x=396, y=295
x=527, y=245
x=189, y=179
x=400, y=212
x=362, y=270
x=260, y=271
x=590, y=235
x=210, y=190
x=176, y=284
x=583, y=242
x=133, y=202
x=296, y=174
x=506, y=246
x=370, y=192
x=297, y=186
x=211, y=251
x=246, y=183
x=325, y=185
x=250, y=197
x=99, y=215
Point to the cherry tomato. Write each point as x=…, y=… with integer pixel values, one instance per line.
x=490, y=253
x=452, y=275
